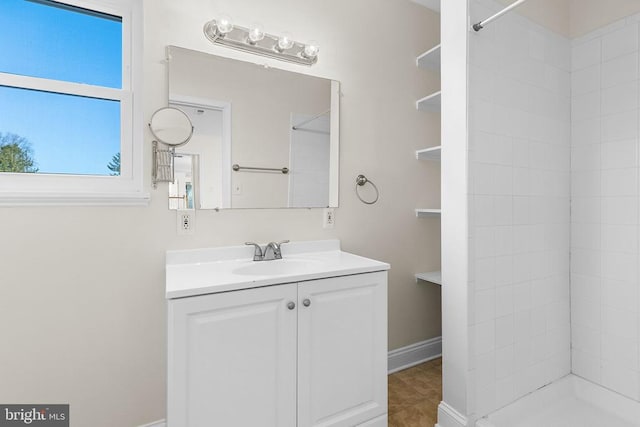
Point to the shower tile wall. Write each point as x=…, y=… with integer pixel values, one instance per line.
x=604, y=244
x=519, y=182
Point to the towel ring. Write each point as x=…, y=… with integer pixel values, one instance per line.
x=362, y=180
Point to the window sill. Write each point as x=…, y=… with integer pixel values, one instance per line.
x=73, y=199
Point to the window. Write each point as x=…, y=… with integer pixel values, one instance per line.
x=69, y=133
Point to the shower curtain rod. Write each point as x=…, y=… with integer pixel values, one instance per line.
x=480, y=25
x=304, y=122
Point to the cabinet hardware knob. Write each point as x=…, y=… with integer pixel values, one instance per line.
x=291, y=305
x=306, y=302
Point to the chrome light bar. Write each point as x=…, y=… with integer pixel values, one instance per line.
x=282, y=48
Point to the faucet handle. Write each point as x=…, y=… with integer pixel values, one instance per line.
x=277, y=251
x=257, y=253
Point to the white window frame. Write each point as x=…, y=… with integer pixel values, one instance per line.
x=126, y=189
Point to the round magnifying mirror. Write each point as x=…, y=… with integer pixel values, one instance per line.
x=171, y=126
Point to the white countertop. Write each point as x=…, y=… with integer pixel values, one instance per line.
x=206, y=271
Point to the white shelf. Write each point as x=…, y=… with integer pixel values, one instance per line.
x=430, y=103
x=430, y=59
x=423, y=213
x=432, y=276
x=432, y=153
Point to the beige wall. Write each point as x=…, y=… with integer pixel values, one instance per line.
x=587, y=15
x=574, y=18
x=553, y=14
x=82, y=310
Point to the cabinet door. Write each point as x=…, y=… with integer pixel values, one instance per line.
x=232, y=359
x=342, y=350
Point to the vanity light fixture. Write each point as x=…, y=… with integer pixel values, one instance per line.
x=255, y=40
x=225, y=24
x=311, y=49
x=256, y=33
x=284, y=42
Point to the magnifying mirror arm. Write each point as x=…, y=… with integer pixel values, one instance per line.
x=163, y=160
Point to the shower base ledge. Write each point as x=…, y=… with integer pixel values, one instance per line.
x=568, y=402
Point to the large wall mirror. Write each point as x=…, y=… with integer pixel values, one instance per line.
x=263, y=137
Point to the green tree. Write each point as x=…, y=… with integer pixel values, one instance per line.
x=114, y=165
x=16, y=154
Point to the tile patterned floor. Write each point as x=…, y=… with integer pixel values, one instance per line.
x=414, y=395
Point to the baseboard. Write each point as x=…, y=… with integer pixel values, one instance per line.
x=159, y=423
x=381, y=421
x=449, y=417
x=414, y=354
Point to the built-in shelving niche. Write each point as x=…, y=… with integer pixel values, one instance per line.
x=426, y=213
x=432, y=153
x=431, y=277
x=430, y=103
x=430, y=59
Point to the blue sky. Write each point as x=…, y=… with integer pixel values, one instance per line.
x=68, y=133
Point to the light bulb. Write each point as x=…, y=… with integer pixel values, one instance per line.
x=224, y=24
x=285, y=42
x=256, y=33
x=311, y=49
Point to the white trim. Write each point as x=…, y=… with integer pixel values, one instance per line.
x=429, y=4
x=71, y=199
x=414, y=354
x=159, y=423
x=135, y=62
x=62, y=87
x=334, y=146
x=456, y=386
x=381, y=421
x=110, y=7
x=449, y=417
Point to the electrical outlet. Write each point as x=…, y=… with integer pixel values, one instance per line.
x=328, y=218
x=186, y=221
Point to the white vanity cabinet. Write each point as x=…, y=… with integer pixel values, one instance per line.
x=232, y=359
x=309, y=353
x=342, y=350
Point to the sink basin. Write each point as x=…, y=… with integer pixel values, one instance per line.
x=205, y=271
x=276, y=267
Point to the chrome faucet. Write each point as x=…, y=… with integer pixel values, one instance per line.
x=260, y=254
x=275, y=249
x=257, y=253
